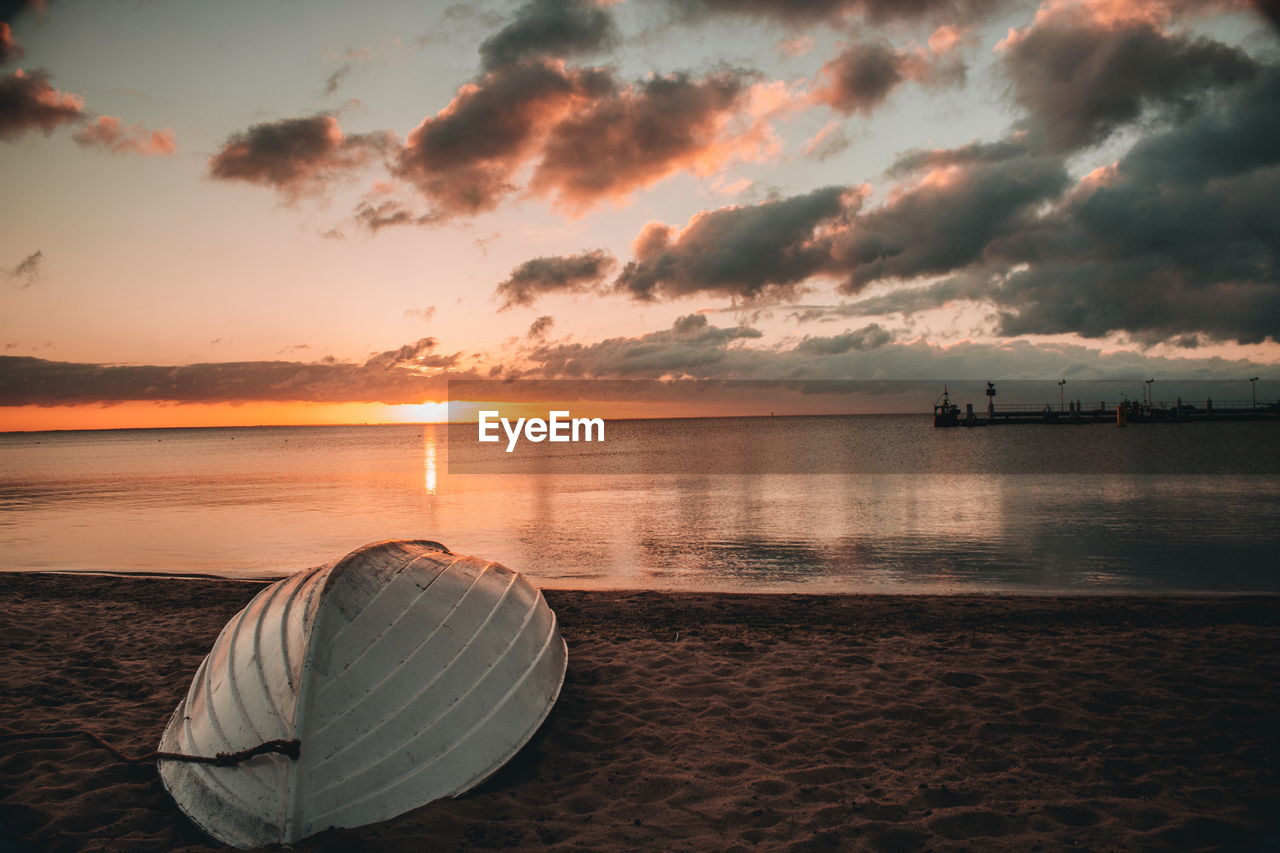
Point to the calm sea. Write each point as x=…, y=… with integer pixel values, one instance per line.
x=858, y=503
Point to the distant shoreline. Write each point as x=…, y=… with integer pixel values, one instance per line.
x=1134, y=594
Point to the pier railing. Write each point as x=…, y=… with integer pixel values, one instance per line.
x=1120, y=412
x=1234, y=405
x=1095, y=406
x=1020, y=408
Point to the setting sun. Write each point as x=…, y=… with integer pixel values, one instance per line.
x=417, y=413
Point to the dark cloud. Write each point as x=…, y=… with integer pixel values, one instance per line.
x=943, y=222
x=417, y=354
x=9, y=9
x=690, y=346
x=463, y=158
x=866, y=73
x=539, y=328
x=110, y=134
x=1270, y=9
x=1179, y=238
x=1232, y=140
x=589, y=137
x=1083, y=70
x=353, y=57
x=867, y=338
x=550, y=29
x=295, y=156
x=27, y=271
x=862, y=76
x=334, y=80
x=1176, y=241
x=744, y=252
x=1182, y=235
x=806, y=12
x=406, y=375
x=976, y=153
x=10, y=50
x=902, y=300
x=947, y=219
x=782, y=11
x=693, y=348
x=635, y=136
x=554, y=274
x=28, y=102
x=376, y=215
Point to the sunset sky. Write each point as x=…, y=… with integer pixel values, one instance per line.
x=273, y=212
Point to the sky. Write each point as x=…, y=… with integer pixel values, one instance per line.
x=278, y=212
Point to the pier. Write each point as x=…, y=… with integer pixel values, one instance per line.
x=948, y=414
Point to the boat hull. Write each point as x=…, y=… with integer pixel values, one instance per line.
x=408, y=673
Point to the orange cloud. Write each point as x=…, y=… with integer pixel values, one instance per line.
x=646, y=132
x=463, y=158
x=109, y=133
x=945, y=38
x=9, y=49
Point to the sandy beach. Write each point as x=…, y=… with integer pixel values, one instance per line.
x=712, y=722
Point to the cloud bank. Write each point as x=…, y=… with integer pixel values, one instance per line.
x=408, y=374
x=1174, y=241
x=692, y=347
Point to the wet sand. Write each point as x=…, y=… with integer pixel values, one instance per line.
x=710, y=722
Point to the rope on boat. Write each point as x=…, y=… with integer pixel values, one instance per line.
x=290, y=748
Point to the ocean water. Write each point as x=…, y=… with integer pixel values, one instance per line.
x=837, y=503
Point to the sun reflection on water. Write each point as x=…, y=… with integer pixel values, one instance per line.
x=429, y=461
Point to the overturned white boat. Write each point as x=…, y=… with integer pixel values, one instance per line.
x=406, y=673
